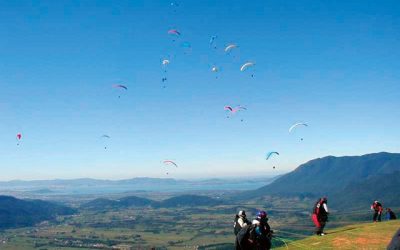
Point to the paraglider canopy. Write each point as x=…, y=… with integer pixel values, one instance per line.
x=230, y=47
x=18, y=137
x=169, y=162
x=120, y=86
x=269, y=154
x=174, y=32
x=246, y=65
x=296, y=125
x=165, y=62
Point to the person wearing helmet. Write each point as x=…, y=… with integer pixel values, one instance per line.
x=256, y=236
x=377, y=208
x=262, y=233
x=240, y=221
x=320, y=215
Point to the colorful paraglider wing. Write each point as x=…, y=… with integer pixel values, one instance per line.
x=230, y=47
x=269, y=154
x=19, y=136
x=165, y=62
x=296, y=125
x=228, y=108
x=167, y=162
x=174, y=32
x=246, y=65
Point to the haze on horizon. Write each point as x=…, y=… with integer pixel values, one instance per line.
x=333, y=65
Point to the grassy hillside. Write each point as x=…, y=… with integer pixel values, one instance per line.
x=358, y=236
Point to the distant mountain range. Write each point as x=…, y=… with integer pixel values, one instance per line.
x=94, y=186
x=134, y=201
x=20, y=213
x=351, y=180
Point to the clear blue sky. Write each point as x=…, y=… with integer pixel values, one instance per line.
x=332, y=64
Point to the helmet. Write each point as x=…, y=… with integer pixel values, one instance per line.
x=242, y=213
x=324, y=199
x=261, y=214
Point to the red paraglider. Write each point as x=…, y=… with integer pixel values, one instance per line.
x=18, y=137
x=169, y=162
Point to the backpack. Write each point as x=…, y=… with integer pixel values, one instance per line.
x=236, y=225
x=244, y=234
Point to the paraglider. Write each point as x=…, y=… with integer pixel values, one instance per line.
x=234, y=110
x=174, y=32
x=230, y=47
x=212, y=41
x=296, y=125
x=269, y=154
x=169, y=162
x=105, y=137
x=165, y=62
x=120, y=86
x=18, y=137
x=215, y=70
x=247, y=65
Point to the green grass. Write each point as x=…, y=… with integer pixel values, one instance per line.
x=357, y=236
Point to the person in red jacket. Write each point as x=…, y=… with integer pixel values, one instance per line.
x=320, y=215
x=377, y=208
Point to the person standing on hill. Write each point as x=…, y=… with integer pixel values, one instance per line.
x=240, y=221
x=377, y=208
x=262, y=234
x=256, y=236
x=390, y=215
x=320, y=215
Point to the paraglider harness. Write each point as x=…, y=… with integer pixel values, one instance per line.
x=255, y=235
x=236, y=225
x=319, y=211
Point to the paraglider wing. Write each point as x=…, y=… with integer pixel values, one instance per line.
x=19, y=136
x=168, y=162
x=246, y=65
x=105, y=136
x=214, y=69
x=230, y=47
x=228, y=108
x=165, y=62
x=296, y=125
x=174, y=32
x=269, y=154
x=120, y=86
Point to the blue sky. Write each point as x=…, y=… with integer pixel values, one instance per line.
x=332, y=64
